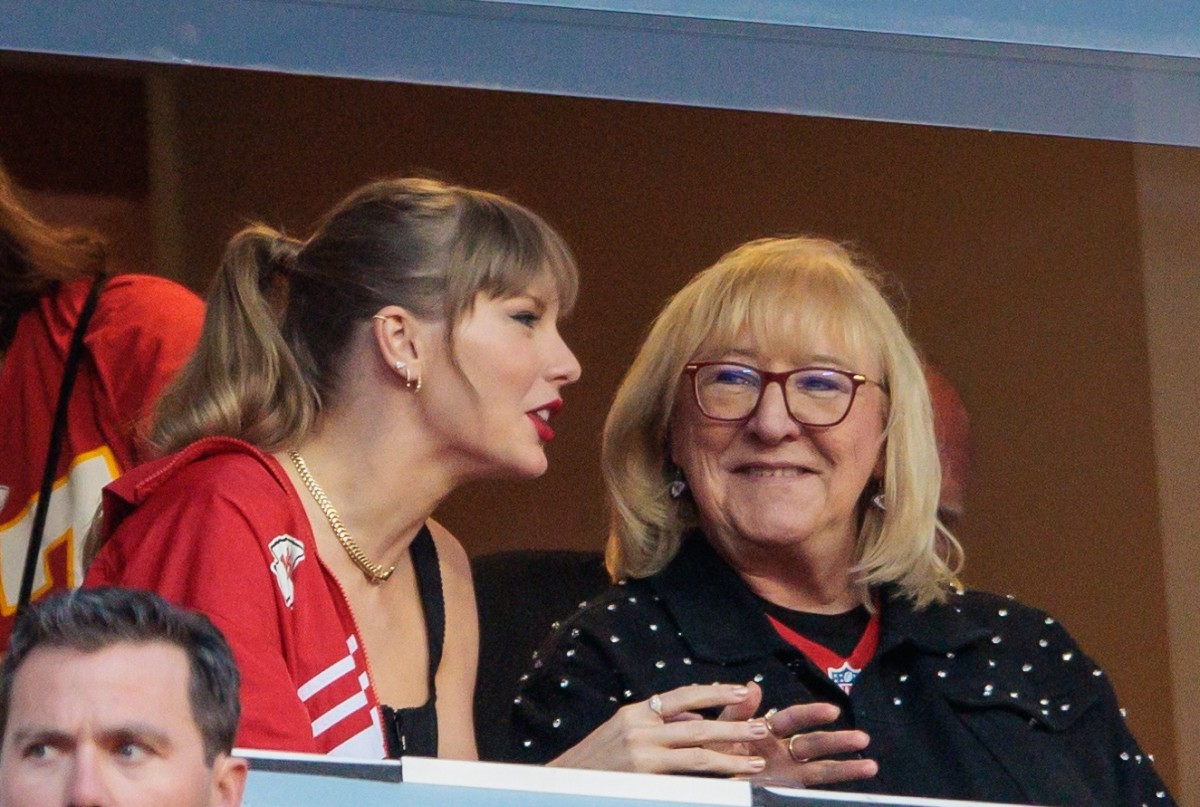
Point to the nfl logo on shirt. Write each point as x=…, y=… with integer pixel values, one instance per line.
x=843, y=676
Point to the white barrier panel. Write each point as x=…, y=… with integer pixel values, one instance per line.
x=299, y=780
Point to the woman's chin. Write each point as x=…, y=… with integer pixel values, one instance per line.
x=758, y=534
x=777, y=536
x=531, y=466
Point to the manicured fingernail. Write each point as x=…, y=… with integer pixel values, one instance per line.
x=757, y=763
x=758, y=730
x=740, y=691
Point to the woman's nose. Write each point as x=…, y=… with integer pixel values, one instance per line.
x=771, y=421
x=563, y=366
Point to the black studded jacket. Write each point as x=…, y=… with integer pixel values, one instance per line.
x=982, y=698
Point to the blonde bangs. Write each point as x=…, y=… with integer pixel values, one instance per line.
x=788, y=303
x=500, y=250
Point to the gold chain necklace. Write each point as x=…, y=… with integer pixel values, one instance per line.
x=375, y=572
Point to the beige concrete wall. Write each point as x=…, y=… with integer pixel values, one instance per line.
x=1169, y=211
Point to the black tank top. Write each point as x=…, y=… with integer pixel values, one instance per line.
x=414, y=731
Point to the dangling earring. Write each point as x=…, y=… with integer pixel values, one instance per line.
x=409, y=382
x=678, y=486
x=877, y=500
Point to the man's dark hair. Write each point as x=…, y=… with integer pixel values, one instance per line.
x=89, y=620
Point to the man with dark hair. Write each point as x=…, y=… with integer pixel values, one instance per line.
x=114, y=697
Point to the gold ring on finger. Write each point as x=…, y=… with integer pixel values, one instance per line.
x=792, y=749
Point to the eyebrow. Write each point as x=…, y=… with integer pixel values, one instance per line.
x=137, y=732
x=539, y=301
x=819, y=358
x=824, y=359
x=44, y=734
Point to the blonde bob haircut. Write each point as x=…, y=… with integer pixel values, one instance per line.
x=786, y=293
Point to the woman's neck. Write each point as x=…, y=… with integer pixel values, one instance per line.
x=799, y=577
x=383, y=488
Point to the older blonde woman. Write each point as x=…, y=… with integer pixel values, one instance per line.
x=774, y=477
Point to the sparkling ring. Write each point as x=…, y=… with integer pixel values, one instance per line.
x=767, y=719
x=655, y=705
x=792, y=749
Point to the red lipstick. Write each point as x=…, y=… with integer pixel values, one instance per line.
x=540, y=418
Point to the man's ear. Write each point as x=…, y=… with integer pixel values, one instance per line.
x=228, y=780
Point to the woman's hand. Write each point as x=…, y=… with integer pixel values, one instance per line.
x=667, y=735
x=793, y=752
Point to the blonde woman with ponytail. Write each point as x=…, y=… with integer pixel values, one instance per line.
x=344, y=385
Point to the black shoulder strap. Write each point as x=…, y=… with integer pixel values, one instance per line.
x=429, y=584
x=70, y=370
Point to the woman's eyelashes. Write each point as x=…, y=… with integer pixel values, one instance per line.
x=527, y=318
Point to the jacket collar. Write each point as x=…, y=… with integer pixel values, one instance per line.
x=722, y=620
x=124, y=495
x=939, y=628
x=719, y=616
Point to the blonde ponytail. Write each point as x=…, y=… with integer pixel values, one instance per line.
x=244, y=380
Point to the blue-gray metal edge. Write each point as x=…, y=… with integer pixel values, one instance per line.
x=783, y=67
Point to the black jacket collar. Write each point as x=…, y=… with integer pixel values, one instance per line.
x=722, y=620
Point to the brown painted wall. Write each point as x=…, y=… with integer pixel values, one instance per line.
x=1019, y=255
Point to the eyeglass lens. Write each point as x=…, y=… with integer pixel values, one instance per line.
x=814, y=396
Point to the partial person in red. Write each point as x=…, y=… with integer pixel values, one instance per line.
x=140, y=332
x=951, y=427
